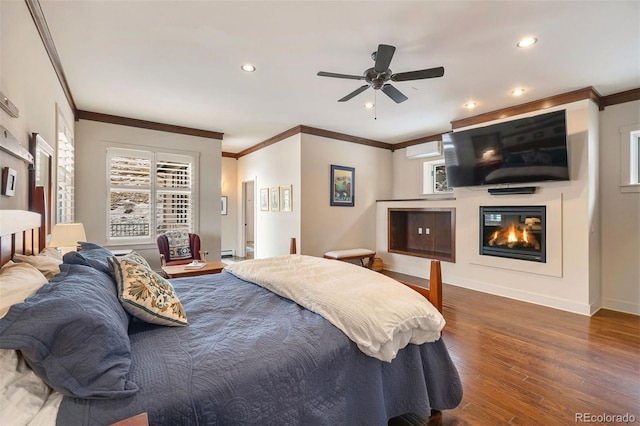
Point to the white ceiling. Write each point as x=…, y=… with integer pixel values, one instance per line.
x=178, y=62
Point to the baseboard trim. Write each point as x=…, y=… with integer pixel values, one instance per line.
x=621, y=306
x=550, y=302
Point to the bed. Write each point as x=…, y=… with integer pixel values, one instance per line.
x=247, y=355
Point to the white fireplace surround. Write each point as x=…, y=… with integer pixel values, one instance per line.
x=553, y=265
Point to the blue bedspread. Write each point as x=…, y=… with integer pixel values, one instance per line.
x=250, y=357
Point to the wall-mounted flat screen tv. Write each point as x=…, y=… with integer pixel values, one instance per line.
x=530, y=149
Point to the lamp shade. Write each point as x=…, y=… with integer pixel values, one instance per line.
x=67, y=236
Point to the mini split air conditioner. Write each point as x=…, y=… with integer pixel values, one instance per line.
x=428, y=149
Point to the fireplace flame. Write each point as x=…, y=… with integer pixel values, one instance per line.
x=513, y=236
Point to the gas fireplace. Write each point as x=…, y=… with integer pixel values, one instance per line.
x=516, y=232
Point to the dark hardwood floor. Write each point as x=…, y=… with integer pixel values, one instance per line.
x=522, y=363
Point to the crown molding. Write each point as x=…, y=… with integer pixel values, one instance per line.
x=344, y=137
x=564, y=98
x=143, y=124
x=619, y=98
x=47, y=40
x=316, y=132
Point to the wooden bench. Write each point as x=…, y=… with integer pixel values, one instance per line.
x=353, y=254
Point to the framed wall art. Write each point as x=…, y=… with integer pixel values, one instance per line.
x=342, y=186
x=274, y=199
x=264, y=199
x=9, y=177
x=285, y=198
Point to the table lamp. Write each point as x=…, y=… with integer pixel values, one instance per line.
x=65, y=236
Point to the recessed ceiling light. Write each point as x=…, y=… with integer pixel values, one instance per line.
x=369, y=105
x=248, y=68
x=470, y=105
x=527, y=41
x=517, y=92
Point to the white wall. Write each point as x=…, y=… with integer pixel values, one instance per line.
x=28, y=79
x=273, y=166
x=93, y=137
x=326, y=227
x=620, y=215
x=567, y=281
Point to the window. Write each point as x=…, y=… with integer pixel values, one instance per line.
x=630, y=158
x=65, y=173
x=150, y=193
x=434, y=178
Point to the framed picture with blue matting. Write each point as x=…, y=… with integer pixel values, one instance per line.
x=342, y=186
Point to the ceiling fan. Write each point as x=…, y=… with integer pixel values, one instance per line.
x=378, y=76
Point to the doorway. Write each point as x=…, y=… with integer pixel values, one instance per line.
x=248, y=217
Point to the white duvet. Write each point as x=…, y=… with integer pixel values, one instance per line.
x=376, y=312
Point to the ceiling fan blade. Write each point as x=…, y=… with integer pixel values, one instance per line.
x=383, y=57
x=393, y=93
x=418, y=75
x=354, y=93
x=332, y=74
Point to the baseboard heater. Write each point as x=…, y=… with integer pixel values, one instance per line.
x=228, y=253
x=515, y=190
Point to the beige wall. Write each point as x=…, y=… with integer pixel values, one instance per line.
x=28, y=79
x=568, y=279
x=92, y=139
x=620, y=215
x=324, y=227
x=304, y=161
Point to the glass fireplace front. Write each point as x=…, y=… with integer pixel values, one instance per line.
x=516, y=232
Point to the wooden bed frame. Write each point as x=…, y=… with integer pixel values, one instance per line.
x=433, y=294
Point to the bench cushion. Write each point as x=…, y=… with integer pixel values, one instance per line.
x=341, y=254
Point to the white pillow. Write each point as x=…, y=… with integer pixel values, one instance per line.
x=49, y=266
x=22, y=392
x=51, y=253
x=17, y=282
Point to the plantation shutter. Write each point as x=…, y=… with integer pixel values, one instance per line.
x=65, y=179
x=150, y=193
x=174, y=192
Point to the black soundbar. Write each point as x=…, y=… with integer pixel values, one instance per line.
x=517, y=190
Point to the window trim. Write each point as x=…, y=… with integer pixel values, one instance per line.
x=630, y=158
x=153, y=152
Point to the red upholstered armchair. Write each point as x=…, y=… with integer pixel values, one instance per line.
x=178, y=248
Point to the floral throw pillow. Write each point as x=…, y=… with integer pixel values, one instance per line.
x=145, y=294
x=179, y=247
x=135, y=257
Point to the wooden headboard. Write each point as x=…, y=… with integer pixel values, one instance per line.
x=23, y=231
x=19, y=233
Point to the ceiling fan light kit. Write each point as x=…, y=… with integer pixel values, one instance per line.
x=380, y=74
